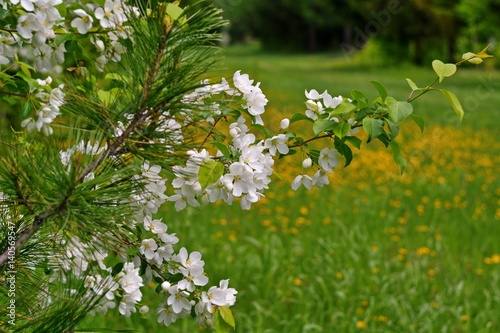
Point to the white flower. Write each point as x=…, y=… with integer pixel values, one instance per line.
x=191, y=261
x=314, y=109
x=302, y=180
x=320, y=179
x=144, y=309
x=242, y=179
x=28, y=23
x=82, y=23
x=242, y=82
x=155, y=226
x=313, y=94
x=277, y=143
x=178, y=299
x=148, y=248
x=328, y=159
x=331, y=102
x=130, y=281
x=193, y=277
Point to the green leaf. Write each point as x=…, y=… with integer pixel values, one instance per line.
x=223, y=148
x=443, y=70
x=61, y=38
x=117, y=269
x=278, y=175
x=300, y=116
x=360, y=99
x=398, y=111
x=412, y=84
x=394, y=128
x=418, y=120
x=454, y=102
x=262, y=129
x=398, y=158
x=174, y=11
x=105, y=96
x=341, y=129
x=323, y=125
x=343, y=108
x=355, y=141
x=26, y=109
x=219, y=324
x=381, y=89
x=209, y=173
x=343, y=150
x=227, y=316
x=374, y=127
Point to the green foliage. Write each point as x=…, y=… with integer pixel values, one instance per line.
x=209, y=173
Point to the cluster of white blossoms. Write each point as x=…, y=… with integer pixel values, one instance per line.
x=41, y=23
x=248, y=170
x=50, y=100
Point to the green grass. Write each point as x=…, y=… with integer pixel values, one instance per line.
x=374, y=251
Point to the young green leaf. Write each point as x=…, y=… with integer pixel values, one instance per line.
x=398, y=157
x=262, y=129
x=220, y=324
x=398, y=111
x=412, y=84
x=209, y=173
x=454, y=102
x=341, y=129
x=374, y=127
x=343, y=108
x=381, y=89
x=443, y=70
x=418, y=120
x=227, y=316
x=223, y=148
x=323, y=125
x=300, y=116
x=394, y=128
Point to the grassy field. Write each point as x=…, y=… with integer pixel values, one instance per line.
x=374, y=251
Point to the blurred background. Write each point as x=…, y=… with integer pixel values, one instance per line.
x=376, y=31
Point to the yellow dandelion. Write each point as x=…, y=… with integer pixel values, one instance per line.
x=267, y=223
x=495, y=258
x=297, y=282
x=361, y=324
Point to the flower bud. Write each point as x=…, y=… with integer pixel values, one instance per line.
x=285, y=123
x=470, y=57
x=307, y=163
x=165, y=285
x=144, y=309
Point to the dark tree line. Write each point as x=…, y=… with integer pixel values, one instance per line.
x=403, y=28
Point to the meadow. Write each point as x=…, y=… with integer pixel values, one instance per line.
x=375, y=251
